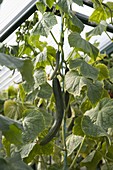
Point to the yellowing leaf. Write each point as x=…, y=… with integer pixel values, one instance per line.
x=103, y=71
x=98, y=15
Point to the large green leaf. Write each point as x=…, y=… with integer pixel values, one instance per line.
x=41, y=6
x=25, y=66
x=98, y=15
x=64, y=5
x=13, y=135
x=103, y=71
x=91, y=129
x=41, y=59
x=11, y=129
x=92, y=160
x=6, y=165
x=13, y=109
x=27, y=71
x=5, y=123
x=49, y=3
x=98, y=30
x=74, y=82
x=11, y=62
x=102, y=114
x=31, y=150
x=16, y=163
x=72, y=143
x=94, y=90
x=45, y=91
x=86, y=69
x=77, y=129
x=39, y=77
x=45, y=25
x=35, y=122
x=74, y=24
x=75, y=40
x=98, y=120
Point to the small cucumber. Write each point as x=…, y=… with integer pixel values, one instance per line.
x=67, y=105
x=59, y=112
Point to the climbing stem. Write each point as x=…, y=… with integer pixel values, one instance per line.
x=78, y=152
x=64, y=131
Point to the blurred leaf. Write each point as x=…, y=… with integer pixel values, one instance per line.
x=92, y=160
x=73, y=23
x=31, y=150
x=5, y=123
x=55, y=167
x=91, y=129
x=75, y=40
x=39, y=77
x=78, y=2
x=13, y=135
x=41, y=59
x=11, y=62
x=111, y=74
x=94, y=91
x=64, y=5
x=41, y=6
x=98, y=15
x=72, y=142
x=45, y=91
x=17, y=163
x=50, y=3
x=107, y=166
x=27, y=71
x=13, y=109
x=20, y=64
x=74, y=82
x=110, y=152
x=6, y=165
x=98, y=30
x=86, y=69
x=45, y=25
x=103, y=71
x=12, y=92
x=98, y=120
x=22, y=93
x=11, y=129
x=51, y=51
x=86, y=105
x=35, y=122
x=77, y=129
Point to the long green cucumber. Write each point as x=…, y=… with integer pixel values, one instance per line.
x=59, y=112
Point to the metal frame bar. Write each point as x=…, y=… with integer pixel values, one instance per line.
x=18, y=20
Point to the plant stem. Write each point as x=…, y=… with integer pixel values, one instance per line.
x=54, y=37
x=108, y=35
x=64, y=130
x=74, y=161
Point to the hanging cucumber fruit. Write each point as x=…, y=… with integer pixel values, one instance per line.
x=59, y=112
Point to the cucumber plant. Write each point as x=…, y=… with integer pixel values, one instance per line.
x=60, y=116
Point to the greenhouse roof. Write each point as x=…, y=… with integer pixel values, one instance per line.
x=14, y=13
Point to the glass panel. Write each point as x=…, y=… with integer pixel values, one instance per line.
x=11, y=11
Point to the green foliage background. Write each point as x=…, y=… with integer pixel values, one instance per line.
x=85, y=138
